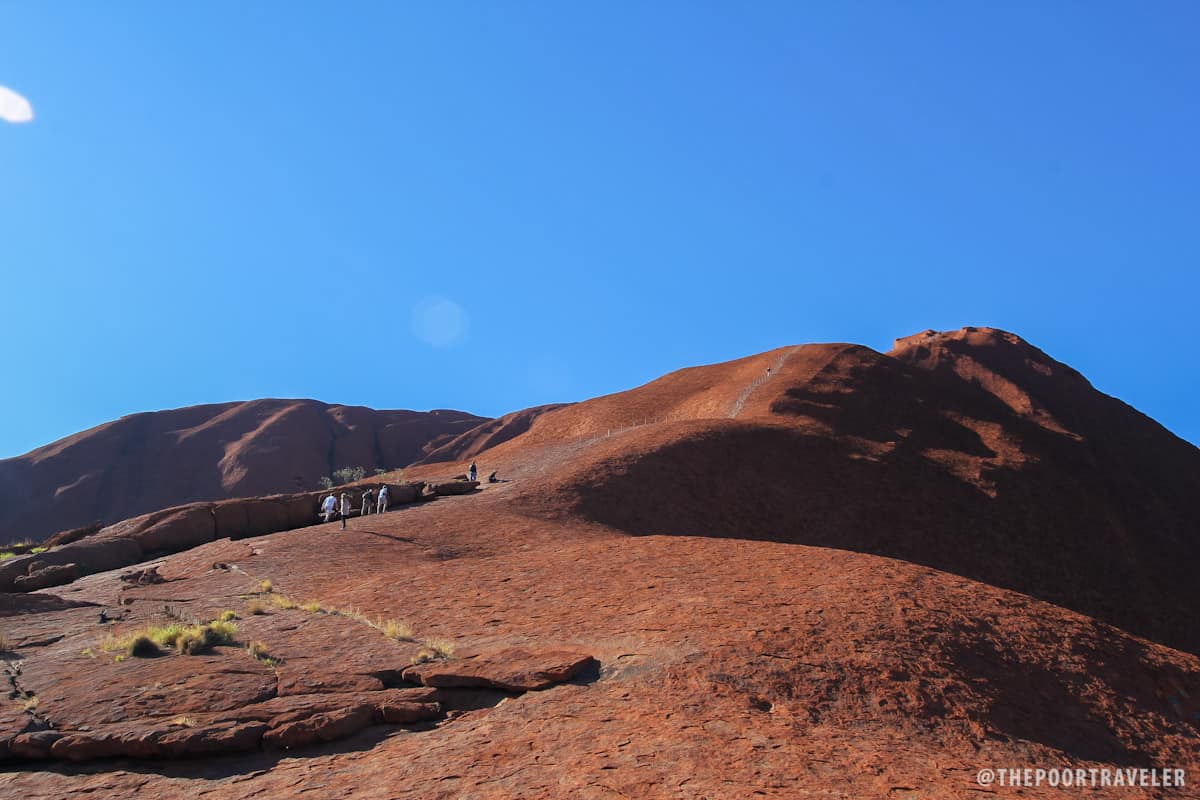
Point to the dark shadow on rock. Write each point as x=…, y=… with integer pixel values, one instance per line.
x=902, y=475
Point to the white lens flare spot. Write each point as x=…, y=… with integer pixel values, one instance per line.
x=439, y=322
x=14, y=107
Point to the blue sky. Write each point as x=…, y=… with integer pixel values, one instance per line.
x=489, y=206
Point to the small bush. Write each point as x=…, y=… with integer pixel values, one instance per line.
x=325, y=482
x=283, y=601
x=185, y=721
x=30, y=703
x=227, y=616
x=7, y=554
x=256, y=608
x=312, y=607
x=348, y=475
x=266, y=587
x=39, y=549
x=142, y=646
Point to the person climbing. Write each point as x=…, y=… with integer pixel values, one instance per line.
x=345, y=509
x=472, y=472
x=329, y=507
x=383, y=499
x=368, y=499
x=492, y=478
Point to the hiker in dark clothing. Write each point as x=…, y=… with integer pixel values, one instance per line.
x=472, y=473
x=367, y=499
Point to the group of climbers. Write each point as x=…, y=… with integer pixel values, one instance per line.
x=341, y=506
x=334, y=506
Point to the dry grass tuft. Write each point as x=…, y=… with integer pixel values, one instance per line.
x=283, y=601
x=227, y=616
x=399, y=630
x=434, y=650
x=266, y=587
x=312, y=607
x=255, y=608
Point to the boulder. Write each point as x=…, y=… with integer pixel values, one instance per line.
x=264, y=516
x=34, y=745
x=229, y=516
x=91, y=555
x=209, y=739
x=186, y=527
x=453, y=487
x=48, y=575
x=301, y=509
x=512, y=670
x=321, y=727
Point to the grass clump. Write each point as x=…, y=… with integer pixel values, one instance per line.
x=259, y=652
x=222, y=631
x=30, y=703
x=266, y=587
x=283, y=601
x=39, y=549
x=185, y=639
x=184, y=721
x=434, y=650
x=256, y=608
x=398, y=629
x=227, y=616
x=312, y=607
x=7, y=554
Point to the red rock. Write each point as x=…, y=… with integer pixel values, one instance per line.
x=322, y=727
x=212, y=739
x=43, y=576
x=514, y=670
x=824, y=583
x=157, y=460
x=446, y=488
x=184, y=528
x=403, y=713
x=91, y=555
x=35, y=745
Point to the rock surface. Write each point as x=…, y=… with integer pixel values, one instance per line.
x=825, y=583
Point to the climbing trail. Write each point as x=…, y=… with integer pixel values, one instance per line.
x=740, y=403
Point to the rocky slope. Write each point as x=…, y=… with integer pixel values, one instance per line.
x=862, y=575
x=150, y=461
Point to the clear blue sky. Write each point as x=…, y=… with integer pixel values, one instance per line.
x=230, y=200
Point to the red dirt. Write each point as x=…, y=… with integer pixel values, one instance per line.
x=150, y=461
x=839, y=592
